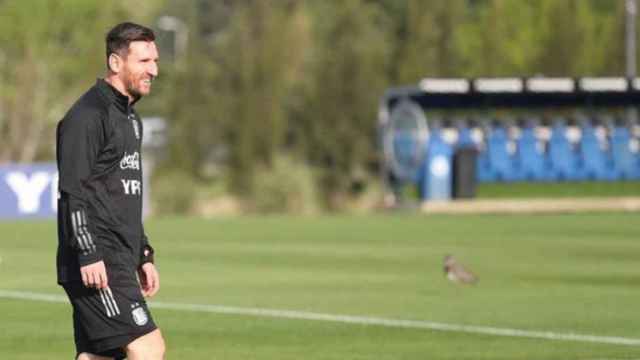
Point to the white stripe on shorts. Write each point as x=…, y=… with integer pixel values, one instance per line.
x=110, y=298
x=104, y=302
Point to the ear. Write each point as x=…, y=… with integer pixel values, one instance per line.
x=115, y=63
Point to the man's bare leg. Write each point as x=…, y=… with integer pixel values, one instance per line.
x=147, y=347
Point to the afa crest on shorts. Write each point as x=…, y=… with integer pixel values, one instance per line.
x=139, y=316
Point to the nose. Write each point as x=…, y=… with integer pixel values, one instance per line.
x=153, y=69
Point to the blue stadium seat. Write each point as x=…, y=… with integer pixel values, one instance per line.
x=595, y=162
x=484, y=174
x=635, y=151
x=530, y=161
x=561, y=158
x=483, y=168
x=636, y=159
x=500, y=160
x=624, y=163
x=464, y=138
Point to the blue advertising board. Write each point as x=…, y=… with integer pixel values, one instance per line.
x=28, y=191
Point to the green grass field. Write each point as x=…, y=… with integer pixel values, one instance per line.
x=555, y=190
x=558, y=273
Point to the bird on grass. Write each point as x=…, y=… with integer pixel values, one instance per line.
x=458, y=273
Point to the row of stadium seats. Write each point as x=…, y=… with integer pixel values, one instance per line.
x=586, y=152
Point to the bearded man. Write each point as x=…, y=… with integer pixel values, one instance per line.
x=104, y=260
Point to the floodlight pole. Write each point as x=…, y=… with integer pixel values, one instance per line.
x=631, y=9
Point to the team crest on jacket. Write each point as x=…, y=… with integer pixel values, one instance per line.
x=136, y=129
x=139, y=316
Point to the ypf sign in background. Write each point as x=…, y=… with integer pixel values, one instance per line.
x=31, y=191
x=28, y=191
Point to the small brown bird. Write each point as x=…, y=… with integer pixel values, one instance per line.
x=458, y=273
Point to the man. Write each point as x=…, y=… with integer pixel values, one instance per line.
x=105, y=262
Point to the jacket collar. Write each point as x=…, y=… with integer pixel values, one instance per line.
x=114, y=96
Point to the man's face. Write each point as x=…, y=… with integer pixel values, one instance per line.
x=140, y=67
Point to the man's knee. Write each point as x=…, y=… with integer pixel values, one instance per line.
x=150, y=346
x=86, y=356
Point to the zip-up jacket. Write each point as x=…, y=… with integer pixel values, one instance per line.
x=98, y=146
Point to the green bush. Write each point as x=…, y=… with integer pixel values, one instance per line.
x=172, y=192
x=286, y=187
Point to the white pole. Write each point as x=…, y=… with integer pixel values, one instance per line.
x=631, y=10
x=181, y=31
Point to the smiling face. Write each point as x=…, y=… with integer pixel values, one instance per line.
x=139, y=68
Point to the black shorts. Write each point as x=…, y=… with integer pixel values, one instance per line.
x=106, y=320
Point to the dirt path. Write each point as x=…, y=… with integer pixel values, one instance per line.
x=539, y=205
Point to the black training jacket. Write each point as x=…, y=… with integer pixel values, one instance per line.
x=98, y=145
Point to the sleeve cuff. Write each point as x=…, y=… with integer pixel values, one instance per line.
x=147, y=255
x=90, y=258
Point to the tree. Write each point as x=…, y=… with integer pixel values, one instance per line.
x=610, y=49
x=350, y=54
x=426, y=40
x=565, y=33
x=264, y=53
x=234, y=92
x=45, y=64
x=500, y=39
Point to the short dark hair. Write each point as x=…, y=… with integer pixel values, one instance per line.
x=119, y=38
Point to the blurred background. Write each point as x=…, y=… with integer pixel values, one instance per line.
x=272, y=106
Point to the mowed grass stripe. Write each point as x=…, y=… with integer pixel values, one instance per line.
x=359, y=320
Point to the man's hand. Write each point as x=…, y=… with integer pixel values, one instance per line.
x=149, y=279
x=94, y=275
